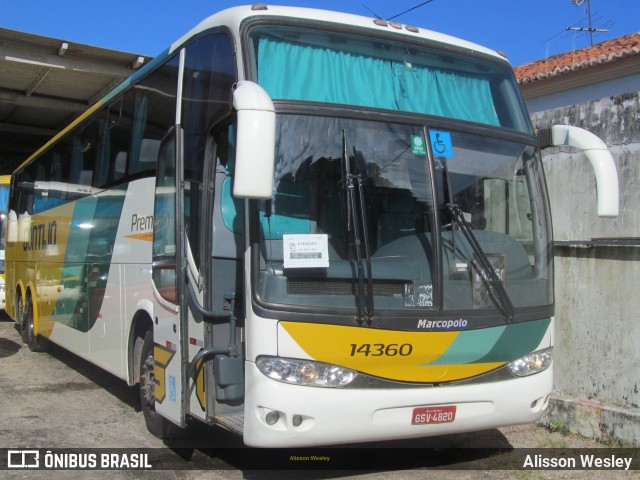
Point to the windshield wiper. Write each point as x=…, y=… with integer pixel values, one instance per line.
x=496, y=288
x=364, y=299
x=351, y=201
x=367, y=253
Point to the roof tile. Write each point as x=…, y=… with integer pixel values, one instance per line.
x=605, y=52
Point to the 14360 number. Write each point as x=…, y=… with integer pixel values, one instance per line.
x=381, y=349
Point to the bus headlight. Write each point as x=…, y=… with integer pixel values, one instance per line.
x=305, y=372
x=535, y=362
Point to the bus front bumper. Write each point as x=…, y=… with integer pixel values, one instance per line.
x=283, y=415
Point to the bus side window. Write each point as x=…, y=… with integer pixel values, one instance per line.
x=231, y=208
x=27, y=183
x=154, y=111
x=49, y=189
x=153, y=151
x=100, y=178
x=139, y=123
x=117, y=138
x=209, y=75
x=164, y=236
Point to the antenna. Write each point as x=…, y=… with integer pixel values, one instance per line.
x=590, y=28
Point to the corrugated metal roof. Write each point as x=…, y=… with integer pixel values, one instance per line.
x=42, y=89
x=601, y=53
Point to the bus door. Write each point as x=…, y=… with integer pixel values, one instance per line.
x=180, y=286
x=196, y=291
x=215, y=374
x=222, y=251
x=168, y=369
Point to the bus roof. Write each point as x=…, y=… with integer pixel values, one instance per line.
x=235, y=16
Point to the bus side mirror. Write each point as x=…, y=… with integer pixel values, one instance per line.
x=255, y=144
x=597, y=153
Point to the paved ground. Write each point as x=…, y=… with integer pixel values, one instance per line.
x=56, y=400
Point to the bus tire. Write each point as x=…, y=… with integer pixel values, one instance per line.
x=20, y=320
x=36, y=343
x=156, y=424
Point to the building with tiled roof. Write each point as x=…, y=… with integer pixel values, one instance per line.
x=608, y=68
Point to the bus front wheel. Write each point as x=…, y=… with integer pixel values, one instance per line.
x=156, y=424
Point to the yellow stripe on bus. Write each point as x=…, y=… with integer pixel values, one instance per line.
x=395, y=355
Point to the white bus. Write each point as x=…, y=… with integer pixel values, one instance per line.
x=306, y=227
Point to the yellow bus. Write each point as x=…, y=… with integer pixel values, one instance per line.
x=5, y=181
x=304, y=226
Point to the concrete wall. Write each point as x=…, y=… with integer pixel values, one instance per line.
x=597, y=355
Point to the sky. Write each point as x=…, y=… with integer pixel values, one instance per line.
x=526, y=30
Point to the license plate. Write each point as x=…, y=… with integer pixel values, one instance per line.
x=430, y=415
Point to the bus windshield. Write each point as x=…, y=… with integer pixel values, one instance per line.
x=360, y=215
x=446, y=210
x=322, y=66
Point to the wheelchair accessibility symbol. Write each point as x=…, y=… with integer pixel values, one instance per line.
x=441, y=144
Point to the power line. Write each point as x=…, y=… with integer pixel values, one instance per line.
x=372, y=12
x=407, y=11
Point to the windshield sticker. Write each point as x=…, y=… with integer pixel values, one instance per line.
x=441, y=144
x=306, y=251
x=418, y=146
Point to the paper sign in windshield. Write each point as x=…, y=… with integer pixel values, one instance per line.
x=306, y=251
